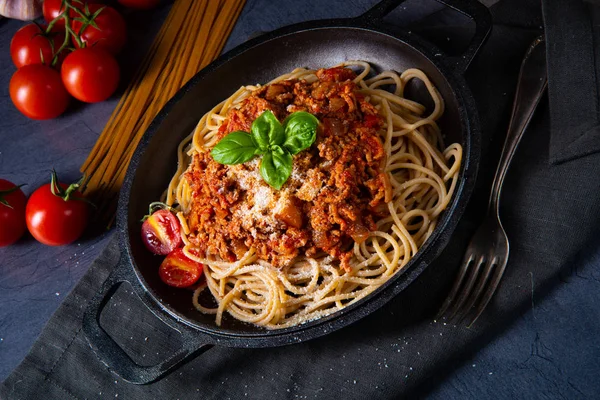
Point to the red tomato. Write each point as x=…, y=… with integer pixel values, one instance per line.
x=178, y=270
x=90, y=74
x=38, y=92
x=51, y=10
x=54, y=221
x=111, y=33
x=140, y=4
x=161, y=232
x=12, y=213
x=29, y=45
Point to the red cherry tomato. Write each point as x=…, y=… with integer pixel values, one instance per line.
x=29, y=45
x=178, y=270
x=12, y=213
x=38, y=92
x=54, y=221
x=111, y=33
x=161, y=232
x=90, y=74
x=140, y=4
x=51, y=10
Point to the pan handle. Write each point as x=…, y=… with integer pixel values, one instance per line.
x=470, y=8
x=113, y=356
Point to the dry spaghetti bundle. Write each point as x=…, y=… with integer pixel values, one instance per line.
x=192, y=36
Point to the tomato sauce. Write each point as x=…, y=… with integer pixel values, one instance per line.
x=332, y=198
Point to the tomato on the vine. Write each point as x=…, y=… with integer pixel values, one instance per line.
x=52, y=9
x=57, y=213
x=140, y=4
x=12, y=212
x=110, y=32
x=30, y=45
x=90, y=74
x=38, y=92
x=161, y=232
x=178, y=270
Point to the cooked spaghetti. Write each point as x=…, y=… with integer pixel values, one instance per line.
x=359, y=203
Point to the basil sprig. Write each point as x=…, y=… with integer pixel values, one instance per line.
x=276, y=143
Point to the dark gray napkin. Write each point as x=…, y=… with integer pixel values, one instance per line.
x=574, y=84
x=550, y=213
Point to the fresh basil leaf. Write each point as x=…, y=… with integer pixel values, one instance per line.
x=300, y=131
x=235, y=148
x=276, y=167
x=267, y=131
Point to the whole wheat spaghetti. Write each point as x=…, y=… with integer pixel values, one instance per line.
x=354, y=213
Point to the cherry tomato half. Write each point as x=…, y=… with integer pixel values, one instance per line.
x=54, y=221
x=12, y=213
x=161, y=232
x=90, y=75
x=29, y=45
x=38, y=92
x=111, y=33
x=178, y=270
x=140, y=4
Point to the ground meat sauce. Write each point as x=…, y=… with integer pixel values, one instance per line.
x=330, y=201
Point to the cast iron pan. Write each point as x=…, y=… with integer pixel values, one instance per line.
x=312, y=44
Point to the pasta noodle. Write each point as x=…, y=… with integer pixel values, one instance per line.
x=422, y=174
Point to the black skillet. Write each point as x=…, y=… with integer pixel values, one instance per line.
x=312, y=44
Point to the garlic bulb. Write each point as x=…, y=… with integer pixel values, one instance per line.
x=24, y=10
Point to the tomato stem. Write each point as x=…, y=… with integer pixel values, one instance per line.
x=69, y=33
x=3, y=193
x=86, y=19
x=58, y=191
x=155, y=206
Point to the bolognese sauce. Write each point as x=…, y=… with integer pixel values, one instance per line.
x=335, y=193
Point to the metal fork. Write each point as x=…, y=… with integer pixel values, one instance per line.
x=487, y=254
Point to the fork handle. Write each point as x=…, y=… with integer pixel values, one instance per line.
x=532, y=82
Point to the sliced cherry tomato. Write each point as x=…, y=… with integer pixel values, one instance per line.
x=178, y=270
x=51, y=219
x=12, y=213
x=38, y=92
x=140, y=4
x=90, y=74
x=30, y=45
x=161, y=232
x=111, y=31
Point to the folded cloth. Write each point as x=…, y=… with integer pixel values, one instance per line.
x=550, y=213
x=574, y=82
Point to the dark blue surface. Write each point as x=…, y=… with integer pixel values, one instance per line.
x=540, y=355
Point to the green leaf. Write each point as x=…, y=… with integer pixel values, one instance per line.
x=276, y=167
x=300, y=131
x=235, y=148
x=267, y=131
